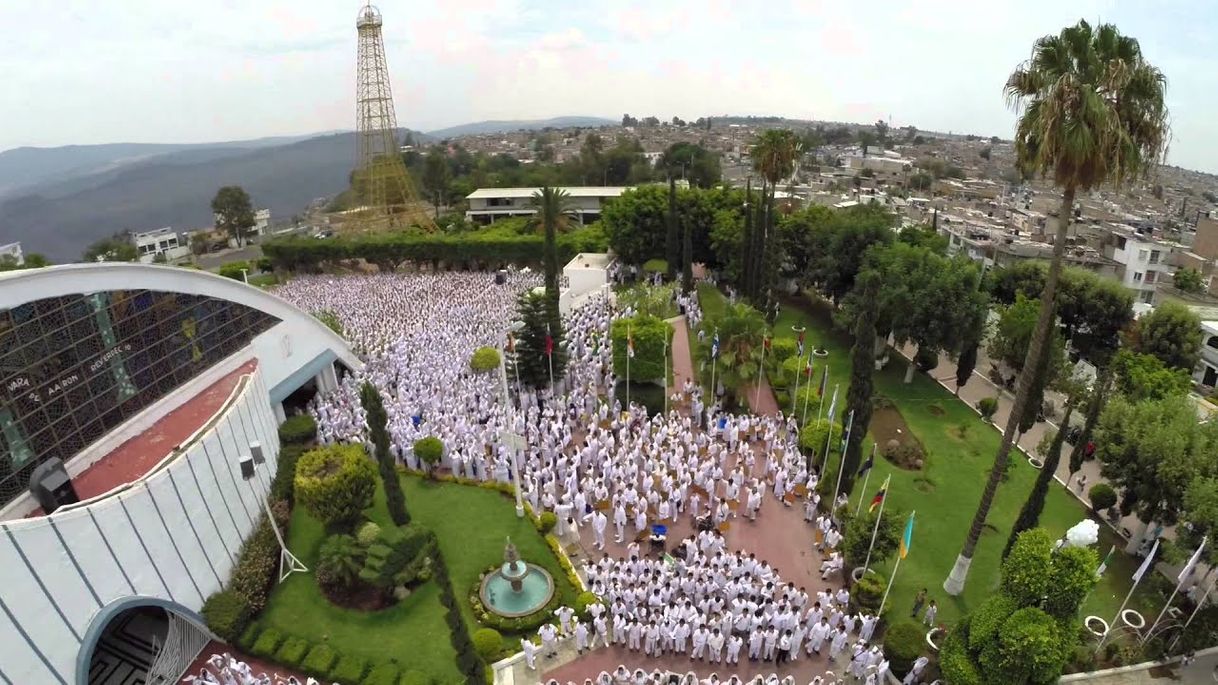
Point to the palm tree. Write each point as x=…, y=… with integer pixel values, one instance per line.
x=742, y=332
x=554, y=213
x=1092, y=112
x=774, y=156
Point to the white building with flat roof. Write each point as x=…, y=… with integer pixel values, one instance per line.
x=13, y=251
x=488, y=204
x=163, y=241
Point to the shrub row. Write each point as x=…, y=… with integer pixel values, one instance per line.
x=469, y=661
x=485, y=248
x=324, y=662
x=298, y=430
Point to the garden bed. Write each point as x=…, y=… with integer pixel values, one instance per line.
x=896, y=441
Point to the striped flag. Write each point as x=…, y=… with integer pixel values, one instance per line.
x=1147, y=563
x=1192, y=562
x=808, y=368
x=879, y=496
x=907, y=537
x=630, y=344
x=868, y=464
x=1099, y=572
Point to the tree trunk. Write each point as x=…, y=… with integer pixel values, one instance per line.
x=954, y=584
x=909, y=371
x=1099, y=396
x=1029, y=514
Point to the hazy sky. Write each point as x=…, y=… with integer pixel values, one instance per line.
x=82, y=71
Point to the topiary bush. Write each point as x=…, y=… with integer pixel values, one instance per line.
x=348, y=669
x=429, y=450
x=814, y=435
x=383, y=674
x=955, y=663
x=298, y=430
x=988, y=406
x=368, y=533
x=335, y=483
x=488, y=643
x=1030, y=649
x=1072, y=579
x=926, y=360
x=267, y=643
x=903, y=644
x=227, y=614
x=547, y=521
x=1102, y=496
x=319, y=660
x=484, y=359
x=292, y=652
x=987, y=619
x=1025, y=572
x=782, y=349
x=867, y=593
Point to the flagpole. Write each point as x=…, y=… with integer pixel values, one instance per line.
x=1179, y=582
x=841, y=469
x=1200, y=603
x=1148, y=565
x=807, y=395
x=666, y=373
x=714, y=361
x=883, y=500
x=863, y=495
x=891, y=578
x=760, y=371
x=628, y=356
x=825, y=462
x=825, y=384
x=550, y=357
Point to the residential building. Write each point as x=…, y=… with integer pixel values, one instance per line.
x=1205, y=243
x=1207, y=367
x=163, y=242
x=12, y=251
x=1145, y=260
x=488, y=204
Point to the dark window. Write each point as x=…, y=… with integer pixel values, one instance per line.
x=74, y=368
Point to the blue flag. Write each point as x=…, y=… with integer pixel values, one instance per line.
x=715, y=346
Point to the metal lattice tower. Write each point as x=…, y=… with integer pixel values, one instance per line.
x=383, y=185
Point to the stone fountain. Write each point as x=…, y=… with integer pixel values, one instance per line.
x=516, y=588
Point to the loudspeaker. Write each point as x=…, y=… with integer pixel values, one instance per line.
x=50, y=485
x=247, y=466
x=256, y=452
x=500, y=277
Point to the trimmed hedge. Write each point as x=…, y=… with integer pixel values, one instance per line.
x=227, y=614
x=320, y=660
x=283, y=487
x=486, y=248
x=488, y=643
x=298, y=430
x=335, y=483
x=547, y=522
x=903, y=645
x=384, y=674
x=267, y=643
x=484, y=359
x=348, y=669
x=416, y=678
x=254, y=574
x=292, y=652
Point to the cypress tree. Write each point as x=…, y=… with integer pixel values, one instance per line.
x=746, y=241
x=965, y=365
x=374, y=408
x=687, y=257
x=1029, y=514
x=672, y=243
x=862, y=366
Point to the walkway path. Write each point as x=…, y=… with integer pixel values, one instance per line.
x=682, y=359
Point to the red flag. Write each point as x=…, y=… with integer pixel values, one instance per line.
x=549, y=343
x=766, y=342
x=511, y=346
x=808, y=368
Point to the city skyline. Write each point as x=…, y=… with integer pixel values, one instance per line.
x=175, y=75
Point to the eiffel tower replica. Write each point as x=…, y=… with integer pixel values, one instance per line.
x=385, y=194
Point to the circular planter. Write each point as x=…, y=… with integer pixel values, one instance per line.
x=820, y=353
x=856, y=574
x=1133, y=619
x=1096, y=626
x=934, y=637
x=1036, y=463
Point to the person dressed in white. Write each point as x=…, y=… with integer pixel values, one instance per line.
x=599, y=523
x=549, y=640
x=530, y=653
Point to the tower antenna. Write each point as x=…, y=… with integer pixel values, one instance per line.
x=386, y=194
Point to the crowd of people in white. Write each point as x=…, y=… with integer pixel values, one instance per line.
x=595, y=463
x=225, y=669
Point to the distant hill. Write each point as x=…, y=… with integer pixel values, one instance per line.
x=480, y=127
x=27, y=167
x=171, y=188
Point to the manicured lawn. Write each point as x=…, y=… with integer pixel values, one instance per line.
x=960, y=450
x=472, y=525
x=413, y=633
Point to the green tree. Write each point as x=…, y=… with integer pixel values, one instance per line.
x=532, y=363
x=693, y=162
x=592, y=158
x=650, y=336
x=378, y=420
x=672, y=240
x=741, y=331
x=866, y=140
x=335, y=483
x=554, y=214
x=115, y=248
x=965, y=364
x=1151, y=451
x=857, y=536
x=1093, y=112
x=436, y=177
x=234, y=212
x=32, y=260
x=840, y=248
x=1171, y=332
x=862, y=366
x=775, y=153
x=1146, y=377
x=1188, y=280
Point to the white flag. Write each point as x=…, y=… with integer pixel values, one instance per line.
x=1192, y=562
x=1149, y=561
x=833, y=405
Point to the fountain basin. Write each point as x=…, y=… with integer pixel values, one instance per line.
x=536, y=590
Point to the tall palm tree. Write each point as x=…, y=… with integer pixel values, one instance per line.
x=774, y=156
x=554, y=213
x=1092, y=112
x=742, y=331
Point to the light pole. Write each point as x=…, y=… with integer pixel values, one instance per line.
x=288, y=562
x=513, y=439
x=245, y=276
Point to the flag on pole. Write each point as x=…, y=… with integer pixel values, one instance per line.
x=808, y=368
x=511, y=346
x=1099, y=572
x=549, y=342
x=1192, y=562
x=766, y=343
x=907, y=537
x=630, y=343
x=1147, y=563
x=879, y=496
x=715, y=346
x=800, y=343
x=868, y=464
x=833, y=406
x=824, y=380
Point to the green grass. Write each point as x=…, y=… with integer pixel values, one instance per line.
x=946, y=492
x=471, y=524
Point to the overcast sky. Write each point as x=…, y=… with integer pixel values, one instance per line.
x=82, y=71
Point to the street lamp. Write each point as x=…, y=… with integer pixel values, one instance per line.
x=514, y=440
x=288, y=562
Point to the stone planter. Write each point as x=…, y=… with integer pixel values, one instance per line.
x=934, y=638
x=1036, y=463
